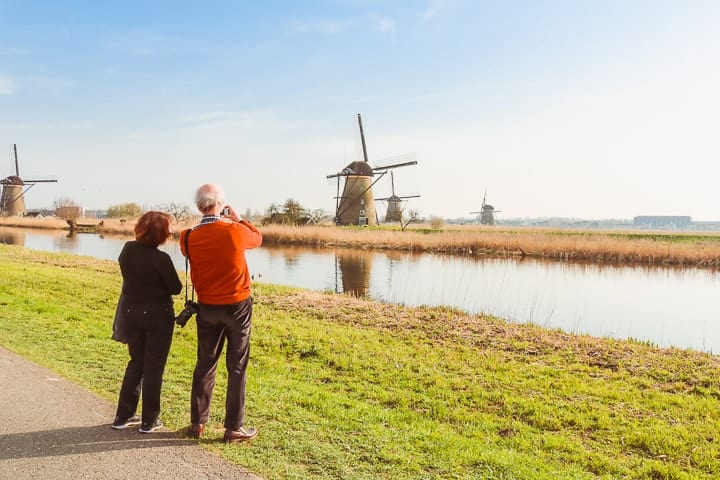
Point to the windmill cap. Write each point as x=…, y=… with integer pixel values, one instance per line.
x=358, y=168
x=12, y=180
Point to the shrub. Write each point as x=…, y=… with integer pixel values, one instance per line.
x=437, y=222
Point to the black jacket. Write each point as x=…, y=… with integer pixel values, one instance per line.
x=149, y=275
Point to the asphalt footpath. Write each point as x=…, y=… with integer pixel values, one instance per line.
x=51, y=428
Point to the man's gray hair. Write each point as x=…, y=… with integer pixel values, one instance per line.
x=208, y=196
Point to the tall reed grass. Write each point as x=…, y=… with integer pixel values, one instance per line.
x=636, y=247
x=629, y=247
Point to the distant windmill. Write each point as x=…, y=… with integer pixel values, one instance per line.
x=487, y=213
x=356, y=205
x=12, y=199
x=395, y=203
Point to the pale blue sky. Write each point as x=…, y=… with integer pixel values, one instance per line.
x=592, y=109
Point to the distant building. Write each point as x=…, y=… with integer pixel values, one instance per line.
x=662, y=221
x=706, y=225
x=42, y=213
x=69, y=211
x=96, y=214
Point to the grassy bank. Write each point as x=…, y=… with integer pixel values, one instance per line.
x=633, y=247
x=348, y=388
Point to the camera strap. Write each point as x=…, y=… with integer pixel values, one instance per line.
x=187, y=259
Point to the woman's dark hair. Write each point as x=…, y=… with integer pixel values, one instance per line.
x=153, y=228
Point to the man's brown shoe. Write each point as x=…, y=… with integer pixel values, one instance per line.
x=242, y=435
x=196, y=430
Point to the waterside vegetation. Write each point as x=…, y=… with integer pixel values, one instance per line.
x=343, y=387
x=611, y=247
x=633, y=247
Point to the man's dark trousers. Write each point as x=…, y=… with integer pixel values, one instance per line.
x=215, y=324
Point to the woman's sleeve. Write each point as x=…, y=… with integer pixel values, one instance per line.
x=123, y=253
x=123, y=259
x=170, y=276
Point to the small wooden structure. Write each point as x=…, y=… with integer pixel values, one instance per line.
x=76, y=227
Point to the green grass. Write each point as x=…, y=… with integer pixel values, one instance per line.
x=348, y=388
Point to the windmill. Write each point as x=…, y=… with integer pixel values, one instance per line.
x=356, y=205
x=395, y=203
x=14, y=188
x=487, y=213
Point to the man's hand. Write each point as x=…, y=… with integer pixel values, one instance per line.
x=231, y=214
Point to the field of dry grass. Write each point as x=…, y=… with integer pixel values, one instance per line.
x=637, y=247
x=669, y=248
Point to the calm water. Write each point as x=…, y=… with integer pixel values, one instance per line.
x=668, y=307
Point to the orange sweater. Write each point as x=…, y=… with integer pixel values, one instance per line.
x=218, y=268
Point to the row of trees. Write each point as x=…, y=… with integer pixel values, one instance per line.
x=129, y=210
x=292, y=213
x=132, y=210
x=179, y=212
x=288, y=213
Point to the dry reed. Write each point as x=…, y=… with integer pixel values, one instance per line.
x=666, y=248
x=642, y=248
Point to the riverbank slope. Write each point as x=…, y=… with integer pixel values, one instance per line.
x=342, y=387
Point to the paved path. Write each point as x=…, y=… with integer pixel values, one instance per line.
x=51, y=428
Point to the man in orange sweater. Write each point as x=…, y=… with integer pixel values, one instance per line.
x=218, y=269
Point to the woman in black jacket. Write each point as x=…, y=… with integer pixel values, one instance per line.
x=149, y=282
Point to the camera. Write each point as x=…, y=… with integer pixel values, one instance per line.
x=190, y=309
x=225, y=211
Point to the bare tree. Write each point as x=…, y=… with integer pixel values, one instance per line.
x=316, y=216
x=179, y=212
x=64, y=202
x=413, y=217
x=274, y=208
